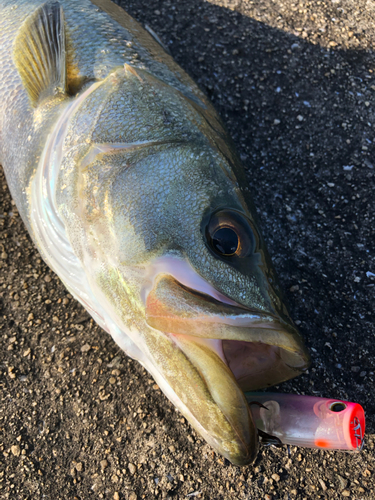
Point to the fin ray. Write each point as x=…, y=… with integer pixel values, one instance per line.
x=156, y=37
x=39, y=52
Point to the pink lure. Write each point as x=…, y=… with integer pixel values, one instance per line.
x=309, y=421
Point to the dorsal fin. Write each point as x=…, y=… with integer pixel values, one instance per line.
x=39, y=52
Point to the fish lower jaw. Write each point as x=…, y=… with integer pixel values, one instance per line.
x=226, y=369
x=222, y=447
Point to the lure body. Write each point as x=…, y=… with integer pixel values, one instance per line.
x=309, y=421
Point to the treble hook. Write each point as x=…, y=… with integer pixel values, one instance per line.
x=267, y=439
x=258, y=404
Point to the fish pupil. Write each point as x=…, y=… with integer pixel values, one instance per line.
x=225, y=241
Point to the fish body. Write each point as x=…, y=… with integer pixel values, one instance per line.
x=130, y=188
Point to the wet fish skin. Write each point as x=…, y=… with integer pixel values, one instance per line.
x=117, y=163
x=95, y=45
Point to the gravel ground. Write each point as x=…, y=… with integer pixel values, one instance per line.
x=295, y=85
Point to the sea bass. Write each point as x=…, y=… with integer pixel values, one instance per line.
x=132, y=192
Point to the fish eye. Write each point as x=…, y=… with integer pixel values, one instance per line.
x=225, y=241
x=229, y=234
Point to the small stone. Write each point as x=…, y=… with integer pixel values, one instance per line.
x=112, y=380
x=345, y=493
x=103, y=464
x=267, y=497
x=322, y=484
x=16, y=450
x=4, y=255
x=47, y=278
x=79, y=466
x=300, y=118
x=103, y=396
x=133, y=496
x=27, y=352
x=65, y=301
x=172, y=449
x=85, y=348
x=116, y=372
x=30, y=317
x=276, y=121
x=132, y=468
x=155, y=387
x=116, y=496
x=343, y=482
x=275, y=477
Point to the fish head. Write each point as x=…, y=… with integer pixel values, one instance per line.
x=158, y=213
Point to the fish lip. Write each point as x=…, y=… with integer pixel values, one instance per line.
x=205, y=316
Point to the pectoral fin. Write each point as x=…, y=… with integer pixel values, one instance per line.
x=39, y=52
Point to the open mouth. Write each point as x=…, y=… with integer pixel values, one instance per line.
x=260, y=349
x=231, y=348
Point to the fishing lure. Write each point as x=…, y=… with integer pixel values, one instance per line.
x=308, y=421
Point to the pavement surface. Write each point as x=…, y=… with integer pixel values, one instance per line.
x=295, y=84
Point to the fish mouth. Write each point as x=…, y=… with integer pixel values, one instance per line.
x=233, y=349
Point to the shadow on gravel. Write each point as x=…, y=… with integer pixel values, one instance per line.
x=302, y=117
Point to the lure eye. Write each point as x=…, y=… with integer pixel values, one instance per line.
x=230, y=234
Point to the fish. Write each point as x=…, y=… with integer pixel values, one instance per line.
x=132, y=191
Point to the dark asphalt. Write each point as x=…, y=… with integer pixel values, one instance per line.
x=295, y=84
